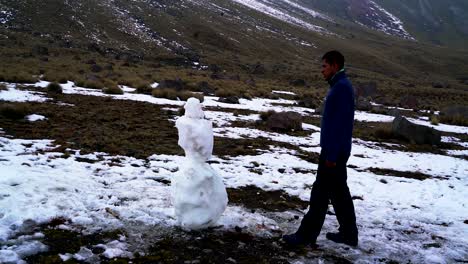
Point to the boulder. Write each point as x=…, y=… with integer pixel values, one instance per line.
x=40, y=50
x=229, y=100
x=176, y=84
x=363, y=104
x=298, y=82
x=321, y=108
x=409, y=101
x=284, y=121
x=96, y=68
x=309, y=102
x=415, y=133
x=456, y=111
x=440, y=84
x=258, y=68
x=394, y=112
x=205, y=88
x=366, y=89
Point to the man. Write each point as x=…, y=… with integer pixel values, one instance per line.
x=335, y=140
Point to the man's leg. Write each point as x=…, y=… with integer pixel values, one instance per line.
x=343, y=203
x=313, y=220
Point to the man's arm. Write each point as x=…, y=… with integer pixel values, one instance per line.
x=338, y=113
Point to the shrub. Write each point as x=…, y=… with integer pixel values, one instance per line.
x=384, y=131
x=184, y=96
x=54, y=88
x=434, y=120
x=165, y=93
x=265, y=115
x=144, y=89
x=13, y=111
x=225, y=93
x=454, y=120
x=112, y=90
x=3, y=87
x=174, y=95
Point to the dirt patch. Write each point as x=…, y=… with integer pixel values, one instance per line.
x=118, y=127
x=254, y=198
x=226, y=247
x=177, y=246
x=404, y=174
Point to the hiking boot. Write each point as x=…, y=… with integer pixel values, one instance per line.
x=296, y=240
x=340, y=238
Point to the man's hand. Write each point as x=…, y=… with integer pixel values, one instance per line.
x=330, y=164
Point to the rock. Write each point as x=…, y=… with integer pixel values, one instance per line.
x=321, y=108
x=456, y=111
x=409, y=101
x=309, y=102
x=363, y=104
x=415, y=133
x=176, y=84
x=298, y=82
x=440, y=84
x=366, y=89
x=206, y=88
x=229, y=100
x=394, y=112
x=251, y=82
x=96, y=68
x=217, y=76
x=40, y=50
x=108, y=67
x=214, y=68
x=258, y=69
x=284, y=121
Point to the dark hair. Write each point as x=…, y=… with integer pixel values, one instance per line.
x=334, y=57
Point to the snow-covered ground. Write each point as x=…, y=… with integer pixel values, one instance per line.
x=401, y=219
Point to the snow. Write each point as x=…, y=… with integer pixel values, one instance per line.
x=397, y=218
x=268, y=9
x=34, y=118
x=199, y=194
x=13, y=94
x=441, y=127
x=283, y=92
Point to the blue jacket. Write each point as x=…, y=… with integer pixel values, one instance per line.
x=338, y=118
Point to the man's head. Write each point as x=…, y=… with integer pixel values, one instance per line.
x=332, y=62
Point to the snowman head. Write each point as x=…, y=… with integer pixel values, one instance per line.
x=193, y=109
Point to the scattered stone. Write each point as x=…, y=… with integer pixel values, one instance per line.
x=366, y=89
x=176, y=84
x=284, y=121
x=229, y=100
x=383, y=181
x=40, y=50
x=456, y=111
x=440, y=84
x=298, y=82
x=363, y=104
x=415, y=133
x=96, y=68
x=258, y=69
x=205, y=88
x=394, y=112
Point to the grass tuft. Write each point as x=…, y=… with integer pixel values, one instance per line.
x=54, y=88
x=14, y=111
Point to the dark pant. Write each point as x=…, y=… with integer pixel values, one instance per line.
x=330, y=185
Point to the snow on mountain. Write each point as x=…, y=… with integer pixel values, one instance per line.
x=370, y=14
x=281, y=12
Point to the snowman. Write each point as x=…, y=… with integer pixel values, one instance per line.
x=198, y=193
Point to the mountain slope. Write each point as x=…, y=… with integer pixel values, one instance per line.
x=285, y=36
